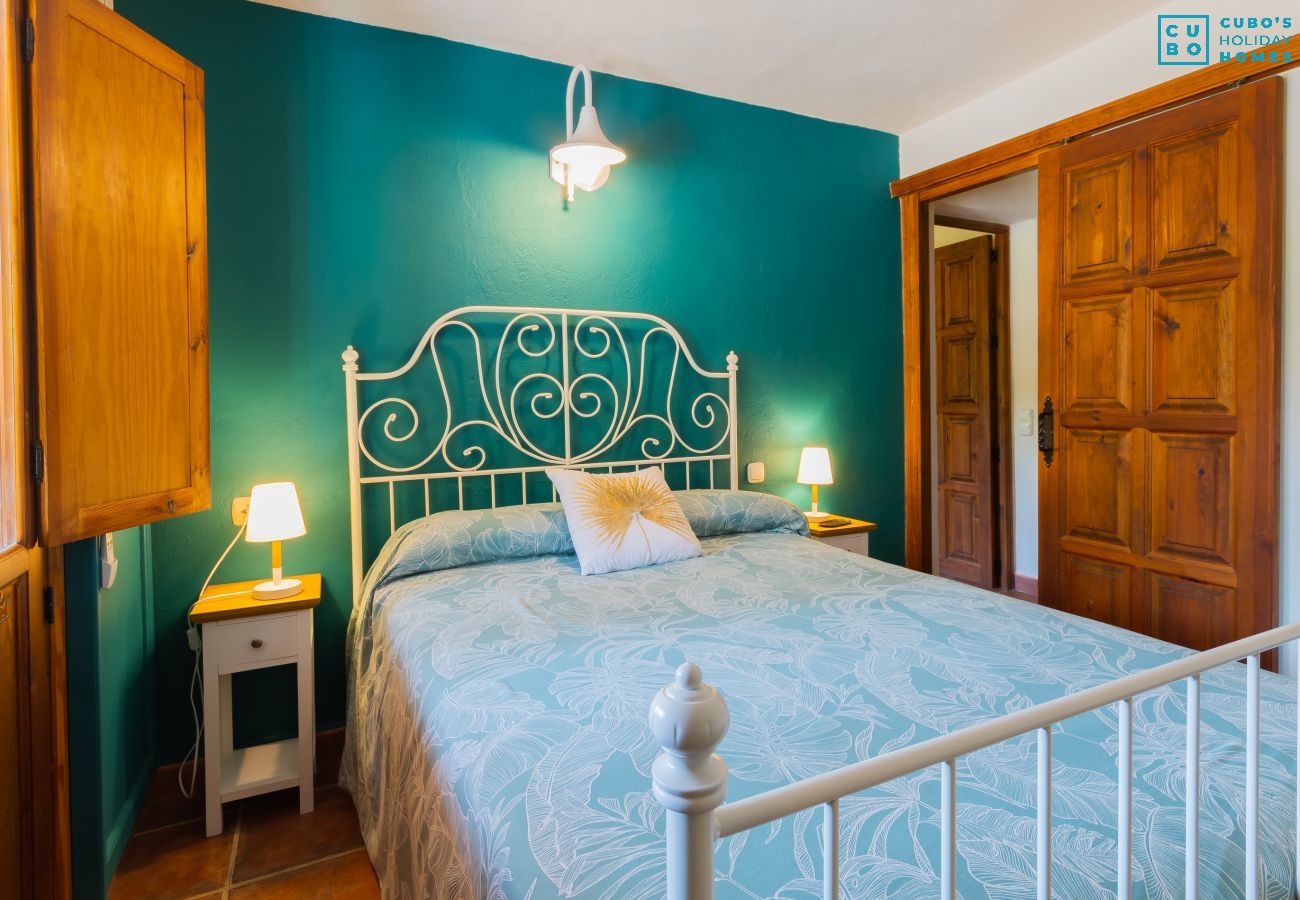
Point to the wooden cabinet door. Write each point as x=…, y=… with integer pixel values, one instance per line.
x=120, y=274
x=15, y=852
x=1159, y=346
x=963, y=311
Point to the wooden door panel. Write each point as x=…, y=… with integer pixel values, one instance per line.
x=959, y=359
x=958, y=287
x=1191, y=478
x=1098, y=495
x=1159, y=511
x=1190, y=613
x=963, y=369
x=1098, y=236
x=1098, y=351
x=121, y=274
x=13, y=851
x=1193, y=348
x=1194, y=196
x=960, y=538
x=959, y=440
x=1096, y=589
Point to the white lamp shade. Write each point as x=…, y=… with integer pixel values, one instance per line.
x=274, y=513
x=815, y=466
x=587, y=153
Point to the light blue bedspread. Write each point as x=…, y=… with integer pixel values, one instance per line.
x=498, y=745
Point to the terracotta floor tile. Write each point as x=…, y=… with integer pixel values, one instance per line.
x=172, y=863
x=164, y=804
x=347, y=877
x=274, y=836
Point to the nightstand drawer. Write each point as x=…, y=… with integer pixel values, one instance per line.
x=250, y=643
x=854, y=543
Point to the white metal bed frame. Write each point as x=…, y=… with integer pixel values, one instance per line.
x=570, y=340
x=689, y=717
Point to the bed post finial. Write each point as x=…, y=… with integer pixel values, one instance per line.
x=733, y=427
x=350, y=357
x=689, y=719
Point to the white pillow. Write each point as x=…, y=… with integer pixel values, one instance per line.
x=623, y=521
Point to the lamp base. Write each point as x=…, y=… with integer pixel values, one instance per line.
x=814, y=514
x=274, y=590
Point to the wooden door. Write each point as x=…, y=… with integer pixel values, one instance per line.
x=964, y=295
x=34, y=831
x=121, y=273
x=1159, y=347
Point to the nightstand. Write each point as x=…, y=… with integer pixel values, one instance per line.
x=241, y=634
x=854, y=537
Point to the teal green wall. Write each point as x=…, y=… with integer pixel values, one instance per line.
x=362, y=181
x=111, y=711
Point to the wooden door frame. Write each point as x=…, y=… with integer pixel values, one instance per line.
x=1003, y=497
x=1002, y=160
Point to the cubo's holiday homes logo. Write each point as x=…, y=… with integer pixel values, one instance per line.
x=1186, y=40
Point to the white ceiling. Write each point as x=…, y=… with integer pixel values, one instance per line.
x=1004, y=202
x=887, y=64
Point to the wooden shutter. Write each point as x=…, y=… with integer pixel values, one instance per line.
x=120, y=274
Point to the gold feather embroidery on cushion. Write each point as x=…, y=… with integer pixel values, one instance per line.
x=613, y=505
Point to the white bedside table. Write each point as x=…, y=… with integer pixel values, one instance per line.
x=241, y=634
x=854, y=537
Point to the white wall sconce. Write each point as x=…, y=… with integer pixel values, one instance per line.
x=583, y=160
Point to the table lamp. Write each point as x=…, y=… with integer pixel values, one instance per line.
x=815, y=469
x=274, y=516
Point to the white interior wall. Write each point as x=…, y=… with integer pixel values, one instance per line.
x=1289, y=543
x=1123, y=62
x=946, y=234
x=1024, y=392
x=1119, y=63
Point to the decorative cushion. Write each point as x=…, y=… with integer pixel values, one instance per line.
x=623, y=521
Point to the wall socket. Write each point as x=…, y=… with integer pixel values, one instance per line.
x=239, y=511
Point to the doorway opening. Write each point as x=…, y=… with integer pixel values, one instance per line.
x=983, y=372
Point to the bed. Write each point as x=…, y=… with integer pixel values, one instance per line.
x=498, y=743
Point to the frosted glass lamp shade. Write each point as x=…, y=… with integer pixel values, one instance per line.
x=274, y=513
x=815, y=466
x=583, y=160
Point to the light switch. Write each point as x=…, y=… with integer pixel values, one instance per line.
x=239, y=511
x=1025, y=422
x=755, y=472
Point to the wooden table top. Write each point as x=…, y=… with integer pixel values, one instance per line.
x=236, y=601
x=855, y=526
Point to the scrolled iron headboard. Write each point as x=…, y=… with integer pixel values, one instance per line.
x=589, y=401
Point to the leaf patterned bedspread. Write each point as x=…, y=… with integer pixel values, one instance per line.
x=498, y=745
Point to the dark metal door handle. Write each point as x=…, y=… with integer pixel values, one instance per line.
x=1047, y=432
x=257, y=643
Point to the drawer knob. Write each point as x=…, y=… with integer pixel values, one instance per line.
x=257, y=643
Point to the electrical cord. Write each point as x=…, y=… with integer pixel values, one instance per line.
x=192, y=635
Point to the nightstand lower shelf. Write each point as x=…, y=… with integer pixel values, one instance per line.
x=257, y=770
